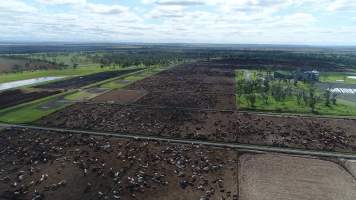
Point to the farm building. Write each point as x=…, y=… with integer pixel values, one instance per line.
x=312, y=75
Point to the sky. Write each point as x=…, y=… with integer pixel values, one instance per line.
x=311, y=22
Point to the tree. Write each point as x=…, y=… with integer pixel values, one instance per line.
x=264, y=96
x=75, y=65
x=300, y=97
x=313, y=99
x=305, y=98
x=333, y=98
x=327, y=95
x=251, y=98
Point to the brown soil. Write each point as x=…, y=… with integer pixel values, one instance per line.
x=300, y=132
x=121, y=96
x=49, y=165
x=280, y=177
x=190, y=78
x=201, y=86
x=189, y=100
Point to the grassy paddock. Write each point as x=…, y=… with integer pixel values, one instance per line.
x=291, y=104
x=80, y=71
x=29, y=112
x=337, y=77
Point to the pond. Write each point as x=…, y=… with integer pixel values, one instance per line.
x=15, y=84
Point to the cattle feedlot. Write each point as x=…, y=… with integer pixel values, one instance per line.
x=204, y=123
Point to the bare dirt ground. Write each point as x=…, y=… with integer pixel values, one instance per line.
x=190, y=78
x=350, y=165
x=281, y=177
x=189, y=100
x=197, y=87
x=44, y=165
x=306, y=133
x=121, y=96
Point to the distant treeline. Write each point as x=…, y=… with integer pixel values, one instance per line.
x=128, y=55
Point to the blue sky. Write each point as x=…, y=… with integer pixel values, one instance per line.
x=323, y=22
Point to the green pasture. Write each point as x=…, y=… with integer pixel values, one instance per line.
x=29, y=112
x=338, y=77
x=80, y=71
x=291, y=104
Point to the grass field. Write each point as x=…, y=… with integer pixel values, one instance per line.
x=338, y=77
x=132, y=78
x=291, y=106
x=291, y=103
x=80, y=71
x=65, y=58
x=29, y=112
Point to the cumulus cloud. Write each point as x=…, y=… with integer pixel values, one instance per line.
x=15, y=6
x=221, y=21
x=106, y=9
x=62, y=2
x=180, y=3
x=342, y=5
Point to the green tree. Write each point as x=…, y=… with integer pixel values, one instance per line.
x=251, y=98
x=327, y=95
x=333, y=98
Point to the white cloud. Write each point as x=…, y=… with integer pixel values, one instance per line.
x=63, y=2
x=229, y=21
x=166, y=12
x=180, y=2
x=15, y=6
x=342, y=5
x=106, y=9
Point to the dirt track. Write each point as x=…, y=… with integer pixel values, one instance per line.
x=50, y=166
